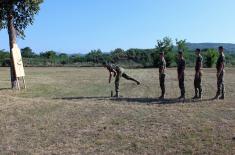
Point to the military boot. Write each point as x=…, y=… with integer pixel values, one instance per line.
x=182, y=96
x=116, y=95
x=162, y=96
x=217, y=95
x=196, y=96
x=200, y=96
x=221, y=97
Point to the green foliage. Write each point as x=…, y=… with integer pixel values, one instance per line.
x=210, y=57
x=181, y=45
x=169, y=57
x=27, y=52
x=22, y=12
x=118, y=54
x=48, y=54
x=95, y=56
x=4, y=58
x=165, y=45
x=64, y=58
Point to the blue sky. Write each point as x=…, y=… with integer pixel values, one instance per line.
x=78, y=26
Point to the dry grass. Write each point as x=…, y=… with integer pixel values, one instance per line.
x=68, y=111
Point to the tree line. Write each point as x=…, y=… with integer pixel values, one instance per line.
x=129, y=58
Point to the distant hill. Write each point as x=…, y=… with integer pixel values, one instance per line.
x=227, y=46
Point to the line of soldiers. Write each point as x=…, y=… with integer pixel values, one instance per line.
x=118, y=72
x=198, y=74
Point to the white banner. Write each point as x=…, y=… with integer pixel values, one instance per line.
x=18, y=62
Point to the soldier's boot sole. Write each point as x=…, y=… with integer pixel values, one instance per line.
x=222, y=97
x=195, y=97
x=161, y=97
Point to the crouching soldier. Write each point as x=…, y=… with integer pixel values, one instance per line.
x=198, y=75
x=162, y=75
x=117, y=72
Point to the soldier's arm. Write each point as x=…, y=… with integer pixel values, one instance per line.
x=199, y=68
x=221, y=68
x=183, y=68
x=161, y=70
x=110, y=76
x=114, y=72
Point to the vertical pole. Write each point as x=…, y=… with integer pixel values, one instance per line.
x=24, y=83
x=18, y=83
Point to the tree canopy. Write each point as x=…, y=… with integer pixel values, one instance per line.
x=22, y=12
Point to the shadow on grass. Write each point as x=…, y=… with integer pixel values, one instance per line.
x=160, y=101
x=140, y=100
x=81, y=98
x=1, y=89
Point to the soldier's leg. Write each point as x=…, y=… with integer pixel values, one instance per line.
x=182, y=88
x=162, y=84
x=195, y=87
x=222, y=86
x=127, y=77
x=117, y=81
x=200, y=85
x=219, y=81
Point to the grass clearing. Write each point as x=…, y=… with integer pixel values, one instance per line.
x=68, y=111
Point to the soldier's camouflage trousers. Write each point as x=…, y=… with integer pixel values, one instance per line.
x=220, y=84
x=162, y=83
x=118, y=77
x=181, y=85
x=198, y=84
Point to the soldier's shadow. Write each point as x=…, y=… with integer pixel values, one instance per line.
x=2, y=89
x=160, y=101
x=139, y=100
x=83, y=97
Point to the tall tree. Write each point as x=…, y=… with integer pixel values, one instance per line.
x=15, y=16
x=165, y=45
x=181, y=44
x=27, y=52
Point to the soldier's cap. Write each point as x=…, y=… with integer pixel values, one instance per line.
x=198, y=50
x=104, y=63
x=221, y=47
x=180, y=51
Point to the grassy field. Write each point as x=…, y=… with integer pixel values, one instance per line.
x=68, y=111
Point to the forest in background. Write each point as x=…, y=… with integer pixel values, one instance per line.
x=131, y=58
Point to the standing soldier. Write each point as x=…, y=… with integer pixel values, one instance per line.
x=162, y=67
x=180, y=70
x=198, y=75
x=117, y=72
x=220, y=74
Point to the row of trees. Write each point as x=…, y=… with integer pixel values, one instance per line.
x=130, y=57
x=16, y=15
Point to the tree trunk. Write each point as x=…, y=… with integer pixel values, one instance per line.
x=12, y=41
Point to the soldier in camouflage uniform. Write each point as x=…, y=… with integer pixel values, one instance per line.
x=220, y=74
x=162, y=75
x=180, y=71
x=198, y=75
x=117, y=72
